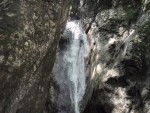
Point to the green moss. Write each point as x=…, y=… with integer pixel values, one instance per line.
x=142, y=41
x=131, y=14
x=132, y=9
x=146, y=5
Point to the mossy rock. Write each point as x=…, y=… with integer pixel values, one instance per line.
x=142, y=42
x=131, y=8
x=131, y=14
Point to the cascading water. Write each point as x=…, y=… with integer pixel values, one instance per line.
x=70, y=68
x=76, y=58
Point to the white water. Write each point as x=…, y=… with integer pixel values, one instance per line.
x=70, y=68
x=76, y=57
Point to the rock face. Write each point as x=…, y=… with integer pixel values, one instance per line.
x=120, y=65
x=118, y=31
x=29, y=35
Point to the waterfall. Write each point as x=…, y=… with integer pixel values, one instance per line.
x=76, y=58
x=70, y=68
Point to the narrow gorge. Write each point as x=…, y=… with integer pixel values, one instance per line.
x=75, y=56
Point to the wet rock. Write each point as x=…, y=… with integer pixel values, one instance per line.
x=120, y=66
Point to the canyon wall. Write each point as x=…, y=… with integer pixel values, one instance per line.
x=119, y=34
x=29, y=35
